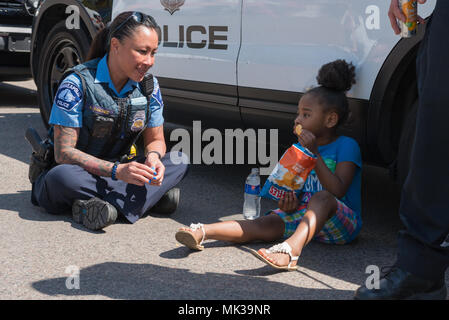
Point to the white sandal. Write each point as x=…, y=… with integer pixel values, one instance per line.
x=283, y=247
x=187, y=238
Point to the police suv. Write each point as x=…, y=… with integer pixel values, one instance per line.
x=245, y=63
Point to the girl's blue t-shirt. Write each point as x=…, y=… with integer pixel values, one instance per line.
x=341, y=150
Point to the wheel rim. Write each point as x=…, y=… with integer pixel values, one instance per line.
x=65, y=55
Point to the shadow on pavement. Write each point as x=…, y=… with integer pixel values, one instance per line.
x=20, y=202
x=17, y=96
x=336, y=263
x=13, y=125
x=148, y=281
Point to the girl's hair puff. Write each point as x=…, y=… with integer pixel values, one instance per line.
x=335, y=79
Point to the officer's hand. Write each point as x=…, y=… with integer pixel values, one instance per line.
x=289, y=202
x=153, y=162
x=134, y=173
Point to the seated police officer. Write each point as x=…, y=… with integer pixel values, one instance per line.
x=102, y=106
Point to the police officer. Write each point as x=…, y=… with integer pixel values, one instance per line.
x=423, y=252
x=100, y=109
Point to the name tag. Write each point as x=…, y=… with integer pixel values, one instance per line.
x=139, y=101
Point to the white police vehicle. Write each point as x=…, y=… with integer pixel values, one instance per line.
x=245, y=63
x=16, y=17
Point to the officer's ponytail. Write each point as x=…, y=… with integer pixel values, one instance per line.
x=99, y=46
x=122, y=26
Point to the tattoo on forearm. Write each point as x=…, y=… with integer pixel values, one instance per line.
x=65, y=152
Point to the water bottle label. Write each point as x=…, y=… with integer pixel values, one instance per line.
x=249, y=189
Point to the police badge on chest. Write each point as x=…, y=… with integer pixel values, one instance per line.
x=138, y=121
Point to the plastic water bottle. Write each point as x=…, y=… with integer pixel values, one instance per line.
x=251, y=206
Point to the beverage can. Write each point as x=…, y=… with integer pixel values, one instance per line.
x=410, y=10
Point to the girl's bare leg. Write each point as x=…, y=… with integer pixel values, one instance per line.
x=322, y=206
x=267, y=228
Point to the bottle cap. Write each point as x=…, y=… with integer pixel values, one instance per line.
x=255, y=170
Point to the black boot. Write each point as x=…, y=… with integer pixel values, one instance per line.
x=168, y=203
x=398, y=284
x=94, y=214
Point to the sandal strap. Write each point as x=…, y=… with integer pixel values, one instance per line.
x=196, y=226
x=283, y=247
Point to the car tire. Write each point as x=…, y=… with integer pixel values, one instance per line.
x=63, y=48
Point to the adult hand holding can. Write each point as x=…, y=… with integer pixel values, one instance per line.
x=410, y=10
x=401, y=17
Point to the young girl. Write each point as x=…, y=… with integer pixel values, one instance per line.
x=330, y=204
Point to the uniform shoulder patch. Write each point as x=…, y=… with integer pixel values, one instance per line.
x=68, y=96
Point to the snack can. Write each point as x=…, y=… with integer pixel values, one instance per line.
x=410, y=10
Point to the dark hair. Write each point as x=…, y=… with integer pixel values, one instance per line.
x=335, y=79
x=121, y=27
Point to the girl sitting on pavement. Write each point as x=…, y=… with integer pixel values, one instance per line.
x=329, y=208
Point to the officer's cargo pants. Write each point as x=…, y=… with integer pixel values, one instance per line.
x=424, y=210
x=56, y=190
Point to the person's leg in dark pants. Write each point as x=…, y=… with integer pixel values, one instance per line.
x=57, y=190
x=70, y=188
x=424, y=209
x=134, y=201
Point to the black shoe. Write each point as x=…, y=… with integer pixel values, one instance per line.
x=398, y=284
x=168, y=203
x=94, y=214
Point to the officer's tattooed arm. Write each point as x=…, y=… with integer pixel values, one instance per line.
x=66, y=153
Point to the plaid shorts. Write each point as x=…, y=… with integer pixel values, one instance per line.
x=342, y=228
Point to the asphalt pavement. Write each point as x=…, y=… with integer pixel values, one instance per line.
x=45, y=256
